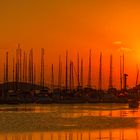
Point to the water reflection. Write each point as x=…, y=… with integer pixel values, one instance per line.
x=69, y=122
x=92, y=135
x=74, y=111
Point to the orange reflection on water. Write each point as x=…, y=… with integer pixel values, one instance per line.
x=117, y=134
x=69, y=122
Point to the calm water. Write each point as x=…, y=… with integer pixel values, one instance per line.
x=69, y=122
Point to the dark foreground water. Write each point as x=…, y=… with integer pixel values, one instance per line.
x=69, y=122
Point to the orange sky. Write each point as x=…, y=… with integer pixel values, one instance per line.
x=110, y=26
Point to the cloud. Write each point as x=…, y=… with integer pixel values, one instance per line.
x=121, y=46
x=117, y=43
x=124, y=49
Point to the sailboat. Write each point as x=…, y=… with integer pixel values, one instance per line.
x=11, y=96
x=42, y=95
x=133, y=103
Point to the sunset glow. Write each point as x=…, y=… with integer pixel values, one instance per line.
x=110, y=27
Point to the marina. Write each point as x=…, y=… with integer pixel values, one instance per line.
x=24, y=87
x=69, y=70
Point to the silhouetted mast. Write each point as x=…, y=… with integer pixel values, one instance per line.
x=34, y=73
x=23, y=73
x=66, y=71
x=16, y=76
x=89, y=70
x=13, y=72
x=30, y=74
x=4, y=78
x=120, y=73
x=123, y=65
x=78, y=71
x=42, y=67
x=100, y=73
x=137, y=76
x=20, y=64
x=123, y=75
x=70, y=77
x=29, y=68
x=17, y=64
x=110, y=77
x=32, y=67
x=81, y=73
x=52, y=78
x=25, y=68
x=59, y=72
x=7, y=67
x=6, y=72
